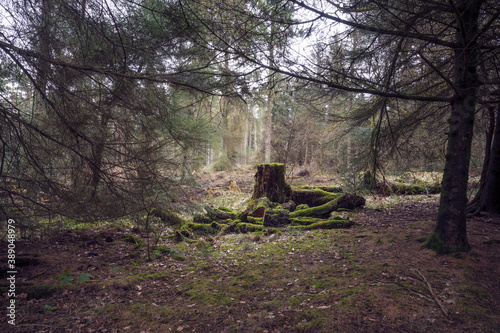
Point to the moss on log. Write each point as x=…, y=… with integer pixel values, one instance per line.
x=420, y=188
x=326, y=224
x=306, y=220
x=347, y=201
x=240, y=227
x=200, y=228
x=167, y=216
x=276, y=218
x=274, y=205
x=331, y=189
x=313, y=197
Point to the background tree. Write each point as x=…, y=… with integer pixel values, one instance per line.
x=96, y=117
x=438, y=43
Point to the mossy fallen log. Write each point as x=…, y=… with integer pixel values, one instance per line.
x=412, y=189
x=306, y=220
x=240, y=227
x=167, y=216
x=215, y=214
x=347, y=201
x=313, y=197
x=331, y=189
x=276, y=205
x=221, y=213
x=325, y=224
x=200, y=228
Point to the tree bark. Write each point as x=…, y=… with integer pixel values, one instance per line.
x=270, y=182
x=474, y=206
x=270, y=102
x=450, y=233
x=269, y=126
x=246, y=138
x=490, y=198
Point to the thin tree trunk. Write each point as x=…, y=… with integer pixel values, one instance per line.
x=268, y=129
x=270, y=102
x=474, y=206
x=255, y=148
x=97, y=155
x=245, y=138
x=490, y=198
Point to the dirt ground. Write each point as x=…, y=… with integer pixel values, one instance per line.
x=373, y=277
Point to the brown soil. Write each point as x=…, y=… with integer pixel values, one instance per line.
x=374, y=277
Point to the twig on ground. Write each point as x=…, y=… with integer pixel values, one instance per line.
x=37, y=275
x=433, y=294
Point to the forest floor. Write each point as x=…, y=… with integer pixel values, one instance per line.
x=373, y=277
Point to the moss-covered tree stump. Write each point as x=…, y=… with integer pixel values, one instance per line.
x=270, y=182
x=275, y=205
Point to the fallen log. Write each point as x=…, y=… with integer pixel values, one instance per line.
x=346, y=201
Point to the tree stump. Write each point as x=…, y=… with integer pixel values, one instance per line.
x=270, y=182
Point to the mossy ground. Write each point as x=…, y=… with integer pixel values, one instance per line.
x=361, y=279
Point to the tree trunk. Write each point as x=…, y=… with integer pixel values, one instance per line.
x=268, y=128
x=270, y=182
x=490, y=198
x=245, y=139
x=97, y=155
x=255, y=135
x=474, y=206
x=450, y=233
x=270, y=102
x=186, y=172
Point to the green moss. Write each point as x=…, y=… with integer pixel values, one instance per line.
x=302, y=206
x=254, y=220
x=420, y=188
x=326, y=224
x=314, y=197
x=434, y=242
x=331, y=189
x=167, y=216
x=128, y=238
x=207, y=229
x=306, y=220
x=227, y=210
x=264, y=202
x=241, y=227
x=317, y=210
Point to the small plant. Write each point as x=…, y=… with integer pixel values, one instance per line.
x=156, y=254
x=65, y=278
x=82, y=277
x=48, y=308
x=177, y=255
